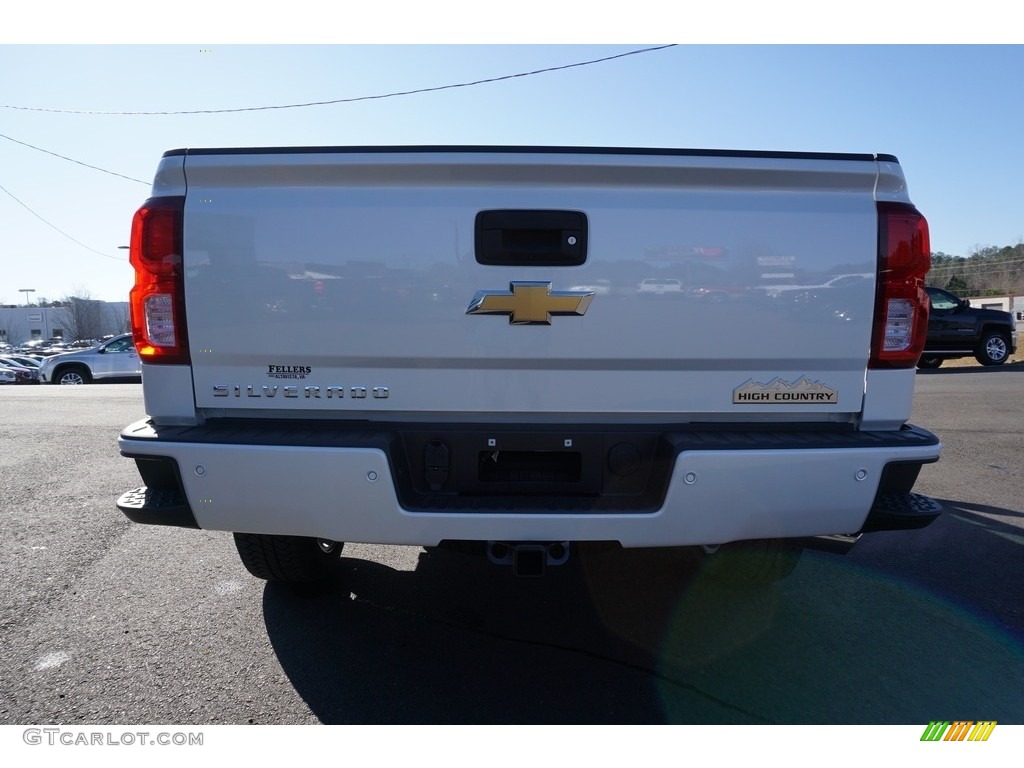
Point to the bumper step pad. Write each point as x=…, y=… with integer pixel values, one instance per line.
x=157, y=507
x=901, y=512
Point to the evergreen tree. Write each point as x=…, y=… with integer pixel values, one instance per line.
x=957, y=285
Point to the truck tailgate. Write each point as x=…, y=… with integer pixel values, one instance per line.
x=341, y=281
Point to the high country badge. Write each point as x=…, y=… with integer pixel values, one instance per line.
x=778, y=391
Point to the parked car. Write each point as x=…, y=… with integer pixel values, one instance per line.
x=27, y=360
x=114, y=359
x=7, y=376
x=82, y=344
x=39, y=346
x=956, y=329
x=25, y=374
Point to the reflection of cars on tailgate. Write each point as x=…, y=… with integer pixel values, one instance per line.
x=660, y=285
x=114, y=359
x=802, y=292
x=600, y=287
x=956, y=329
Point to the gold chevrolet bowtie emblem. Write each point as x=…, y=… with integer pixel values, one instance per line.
x=530, y=303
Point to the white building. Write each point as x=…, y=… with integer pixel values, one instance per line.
x=1012, y=304
x=1003, y=303
x=88, y=319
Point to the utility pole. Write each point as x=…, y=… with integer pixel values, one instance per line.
x=26, y=291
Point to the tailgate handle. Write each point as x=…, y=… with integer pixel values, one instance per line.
x=511, y=238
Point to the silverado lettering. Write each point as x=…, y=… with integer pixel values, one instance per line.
x=311, y=390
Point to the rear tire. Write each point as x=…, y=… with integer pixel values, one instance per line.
x=291, y=560
x=994, y=349
x=749, y=564
x=929, y=362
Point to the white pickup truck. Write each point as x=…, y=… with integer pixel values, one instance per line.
x=398, y=345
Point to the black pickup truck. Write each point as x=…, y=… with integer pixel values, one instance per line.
x=956, y=329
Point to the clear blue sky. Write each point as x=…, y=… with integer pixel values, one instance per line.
x=953, y=115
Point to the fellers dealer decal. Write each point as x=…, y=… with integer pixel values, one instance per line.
x=780, y=391
x=289, y=371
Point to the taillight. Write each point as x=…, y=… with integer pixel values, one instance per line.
x=901, y=302
x=158, y=299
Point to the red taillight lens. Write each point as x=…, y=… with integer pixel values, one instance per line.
x=901, y=302
x=158, y=299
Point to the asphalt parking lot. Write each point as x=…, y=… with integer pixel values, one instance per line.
x=107, y=622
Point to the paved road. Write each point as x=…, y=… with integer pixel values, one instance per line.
x=107, y=622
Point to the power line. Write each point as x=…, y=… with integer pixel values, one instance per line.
x=69, y=237
x=354, y=98
x=71, y=159
x=974, y=268
x=966, y=260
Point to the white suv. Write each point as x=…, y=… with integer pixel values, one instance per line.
x=113, y=359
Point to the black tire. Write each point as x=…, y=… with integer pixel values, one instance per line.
x=749, y=564
x=994, y=349
x=72, y=374
x=929, y=362
x=291, y=560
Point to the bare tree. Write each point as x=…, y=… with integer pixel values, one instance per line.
x=122, y=319
x=81, y=316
